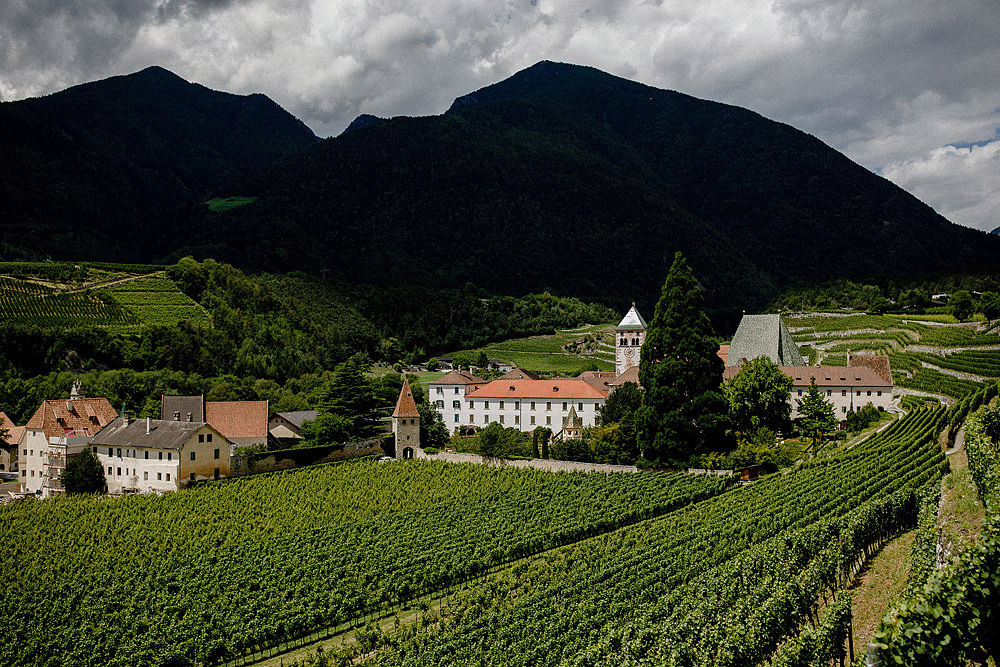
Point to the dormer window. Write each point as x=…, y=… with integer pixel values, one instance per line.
x=555, y=388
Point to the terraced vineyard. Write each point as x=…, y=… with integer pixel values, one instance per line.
x=103, y=298
x=925, y=356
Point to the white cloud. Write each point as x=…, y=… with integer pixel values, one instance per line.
x=888, y=82
x=963, y=184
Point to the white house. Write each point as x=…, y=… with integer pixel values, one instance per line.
x=527, y=404
x=58, y=420
x=447, y=395
x=156, y=455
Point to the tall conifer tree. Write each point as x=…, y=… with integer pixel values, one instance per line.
x=683, y=407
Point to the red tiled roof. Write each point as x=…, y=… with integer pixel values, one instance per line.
x=518, y=374
x=13, y=432
x=630, y=375
x=826, y=376
x=405, y=406
x=238, y=419
x=84, y=415
x=459, y=377
x=724, y=353
x=558, y=388
x=879, y=364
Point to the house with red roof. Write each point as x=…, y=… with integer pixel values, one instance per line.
x=527, y=404
x=243, y=423
x=58, y=430
x=9, y=444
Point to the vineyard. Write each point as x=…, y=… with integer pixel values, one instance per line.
x=537, y=568
x=97, y=297
x=723, y=582
x=226, y=567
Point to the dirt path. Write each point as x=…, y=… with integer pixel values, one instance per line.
x=878, y=586
x=960, y=515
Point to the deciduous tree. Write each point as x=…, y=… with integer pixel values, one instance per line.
x=758, y=396
x=84, y=474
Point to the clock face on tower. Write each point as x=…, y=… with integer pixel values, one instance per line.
x=629, y=352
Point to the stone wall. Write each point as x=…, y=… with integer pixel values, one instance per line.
x=287, y=459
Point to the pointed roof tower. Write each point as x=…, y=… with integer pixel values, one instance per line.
x=632, y=321
x=406, y=406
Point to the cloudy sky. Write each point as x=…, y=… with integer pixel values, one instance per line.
x=907, y=88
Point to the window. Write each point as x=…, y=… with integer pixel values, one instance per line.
x=145, y=454
x=456, y=417
x=548, y=420
x=548, y=405
x=532, y=405
x=160, y=455
x=486, y=405
x=456, y=405
x=201, y=437
x=517, y=419
x=843, y=408
x=145, y=475
x=216, y=474
x=517, y=405
x=471, y=419
x=580, y=408
x=501, y=405
x=119, y=452
x=439, y=390
x=843, y=392
x=159, y=476
x=859, y=392
x=109, y=470
x=32, y=473
x=532, y=420
x=412, y=421
x=880, y=393
x=192, y=456
x=25, y=452
x=208, y=438
x=869, y=393
x=170, y=456
x=564, y=406
x=800, y=392
x=439, y=404
x=216, y=453
x=456, y=390
x=829, y=392
x=501, y=419
x=168, y=476
x=486, y=419
x=118, y=471
x=472, y=405
x=192, y=477
x=109, y=452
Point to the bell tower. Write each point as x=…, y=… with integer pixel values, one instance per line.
x=406, y=425
x=630, y=334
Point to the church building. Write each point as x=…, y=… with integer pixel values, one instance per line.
x=630, y=334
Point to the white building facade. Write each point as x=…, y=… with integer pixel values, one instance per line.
x=630, y=334
x=528, y=404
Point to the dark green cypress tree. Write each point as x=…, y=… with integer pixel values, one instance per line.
x=683, y=408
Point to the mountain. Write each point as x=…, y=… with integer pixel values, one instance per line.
x=560, y=178
x=85, y=169
x=567, y=178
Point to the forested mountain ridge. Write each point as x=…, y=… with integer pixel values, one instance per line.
x=567, y=178
x=561, y=178
x=88, y=171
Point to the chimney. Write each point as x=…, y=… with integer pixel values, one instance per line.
x=190, y=416
x=126, y=417
x=177, y=416
x=149, y=424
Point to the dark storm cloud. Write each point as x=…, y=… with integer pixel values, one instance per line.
x=895, y=84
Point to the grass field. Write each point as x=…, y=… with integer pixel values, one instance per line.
x=566, y=352
x=220, y=204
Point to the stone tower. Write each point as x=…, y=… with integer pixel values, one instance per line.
x=406, y=425
x=630, y=334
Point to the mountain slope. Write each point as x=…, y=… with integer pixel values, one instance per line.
x=567, y=178
x=85, y=168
